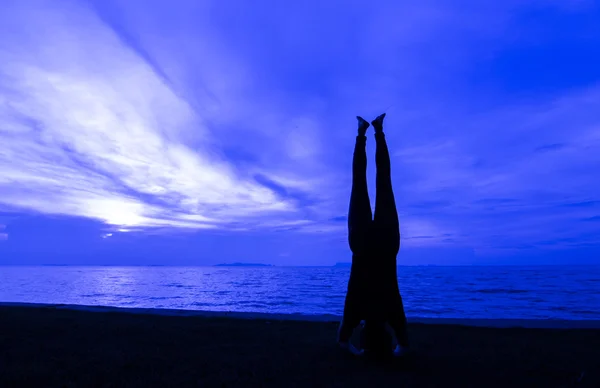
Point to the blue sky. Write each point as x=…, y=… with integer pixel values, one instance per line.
x=198, y=132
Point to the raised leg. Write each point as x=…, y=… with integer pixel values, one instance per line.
x=359, y=225
x=359, y=214
x=387, y=235
x=386, y=216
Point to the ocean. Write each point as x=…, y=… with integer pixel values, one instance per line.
x=516, y=292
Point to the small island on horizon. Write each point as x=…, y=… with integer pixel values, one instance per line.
x=243, y=265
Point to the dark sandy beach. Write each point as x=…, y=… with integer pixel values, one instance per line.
x=45, y=347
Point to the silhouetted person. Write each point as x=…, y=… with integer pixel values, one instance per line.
x=373, y=294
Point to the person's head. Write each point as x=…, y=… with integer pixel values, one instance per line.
x=376, y=340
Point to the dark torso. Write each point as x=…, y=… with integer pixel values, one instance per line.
x=374, y=285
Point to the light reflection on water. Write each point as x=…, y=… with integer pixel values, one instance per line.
x=559, y=292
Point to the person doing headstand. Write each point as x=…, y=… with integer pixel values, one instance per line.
x=373, y=295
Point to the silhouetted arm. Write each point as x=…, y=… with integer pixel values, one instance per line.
x=399, y=350
x=391, y=332
x=344, y=334
x=351, y=348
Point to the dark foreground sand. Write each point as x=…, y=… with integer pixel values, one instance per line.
x=63, y=348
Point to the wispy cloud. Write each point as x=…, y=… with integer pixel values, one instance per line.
x=89, y=129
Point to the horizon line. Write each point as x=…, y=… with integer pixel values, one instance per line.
x=265, y=265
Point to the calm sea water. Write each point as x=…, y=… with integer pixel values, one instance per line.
x=444, y=292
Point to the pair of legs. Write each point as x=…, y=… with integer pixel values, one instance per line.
x=373, y=294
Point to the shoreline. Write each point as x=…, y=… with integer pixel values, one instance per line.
x=472, y=322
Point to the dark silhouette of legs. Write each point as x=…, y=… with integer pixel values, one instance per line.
x=386, y=229
x=359, y=230
x=386, y=216
x=359, y=214
x=373, y=293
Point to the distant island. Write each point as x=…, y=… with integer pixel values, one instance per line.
x=343, y=264
x=243, y=265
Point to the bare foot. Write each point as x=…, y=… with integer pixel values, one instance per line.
x=362, y=125
x=378, y=123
